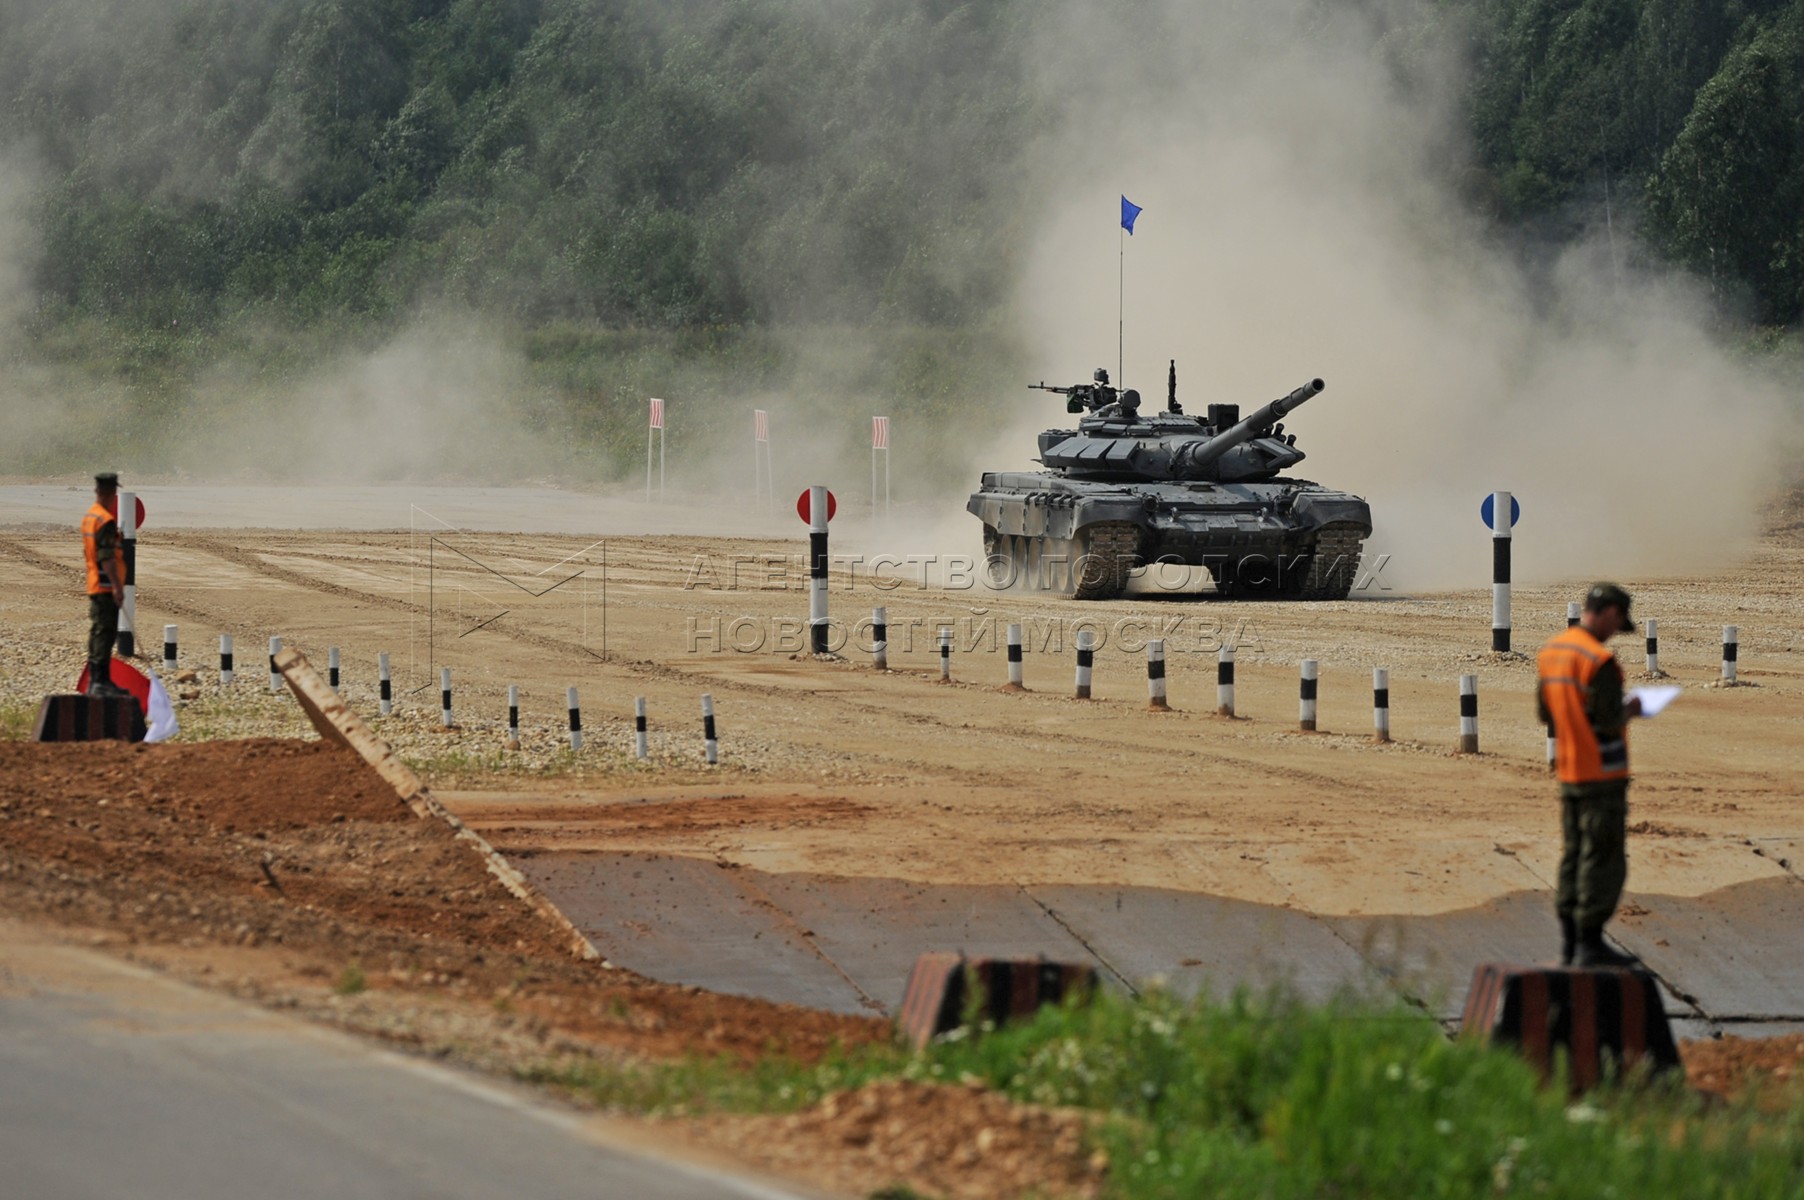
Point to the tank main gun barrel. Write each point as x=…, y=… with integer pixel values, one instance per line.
x=1225, y=441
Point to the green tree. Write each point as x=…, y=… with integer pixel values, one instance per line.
x=1727, y=196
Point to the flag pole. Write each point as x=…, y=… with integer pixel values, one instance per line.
x=1120, y=303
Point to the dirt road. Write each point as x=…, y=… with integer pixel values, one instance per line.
x=831, y=767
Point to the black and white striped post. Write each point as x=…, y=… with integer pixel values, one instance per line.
x=444, y=696
x=817, y=569
x=1306, y=696
x=1014, y=658
x=275, y=676
x=1155, y=674
x=332, y=667
x=169, y=635
x=879, y=640
x=641, y=740
x=1381, y=704
x=576, y=719
x=1224, y=681
x=127, y=638
x=710, y=744
x=225, y=658
x=385, y=685
x=513, y=714
x=1552, y=749
x=1653, y=646
x=945, y=654
x=1468, y=714
x=1086, y=662
x=1572, y=613
x=1500, y=571
x=1731, y=651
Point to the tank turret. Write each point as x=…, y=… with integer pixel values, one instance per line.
x=1129, y=487
x=1115, y=441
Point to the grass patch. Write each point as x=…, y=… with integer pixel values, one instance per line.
x=1262, y=1096
x=352, y=980
x=16, y=721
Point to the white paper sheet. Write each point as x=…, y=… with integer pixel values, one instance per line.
x=1653, y=699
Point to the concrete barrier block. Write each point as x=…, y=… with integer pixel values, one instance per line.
x=78, y=718
x=941, y=986
x=1601, y=1019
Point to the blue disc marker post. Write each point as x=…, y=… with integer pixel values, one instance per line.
x=1496, y=506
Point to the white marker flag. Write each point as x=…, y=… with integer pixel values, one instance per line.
x=760, y=425
x=1653, y=699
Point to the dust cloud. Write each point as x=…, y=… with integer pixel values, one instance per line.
x=29, y=415
x=1297, y=172
x=1298, y=163
x=438, y=400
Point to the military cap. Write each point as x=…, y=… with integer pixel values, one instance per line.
x=107, y=479
x=1608, y=595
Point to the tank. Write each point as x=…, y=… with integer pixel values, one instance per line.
x=1128, y=488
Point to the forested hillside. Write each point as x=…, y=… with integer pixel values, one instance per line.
x=625, y=189
x=1688, y=112
x=650, y=162
x=674, y=163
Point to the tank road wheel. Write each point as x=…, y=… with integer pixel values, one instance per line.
x=1055, y=566
x=1332, y=566
x=1103, y=555
x=997, y=565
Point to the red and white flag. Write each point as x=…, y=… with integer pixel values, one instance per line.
x=657, y=413
x=159, y=714
x=760, y=425
x=880, y=433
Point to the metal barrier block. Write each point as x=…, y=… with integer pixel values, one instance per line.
x=940, y=985
x=78, y=718
x=1601, y=1018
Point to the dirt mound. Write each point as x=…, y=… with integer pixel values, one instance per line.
x=954, y=1141
x=259, y=783
x=299, y=846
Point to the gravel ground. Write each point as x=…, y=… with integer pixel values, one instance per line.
x=32, y=667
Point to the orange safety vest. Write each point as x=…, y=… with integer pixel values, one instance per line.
x=101, y=577
x=1568, y=665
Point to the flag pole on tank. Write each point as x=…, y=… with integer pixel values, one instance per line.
x=1129, y=211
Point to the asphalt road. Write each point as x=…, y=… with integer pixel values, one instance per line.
x=117, y=1082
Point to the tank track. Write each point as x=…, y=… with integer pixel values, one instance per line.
x=1333, y=565
x=1108, y=551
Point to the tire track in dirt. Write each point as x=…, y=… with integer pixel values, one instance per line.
x=1244, y=766
x=1247, y=765
x=149, y=597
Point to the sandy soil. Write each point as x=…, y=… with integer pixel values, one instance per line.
x=831, y=767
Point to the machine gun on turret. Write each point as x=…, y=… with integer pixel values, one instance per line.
x=1085, y=397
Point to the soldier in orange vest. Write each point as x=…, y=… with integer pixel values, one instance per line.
x=101, y=546
x=1581, y=702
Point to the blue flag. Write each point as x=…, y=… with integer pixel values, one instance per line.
x=1129, y=210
